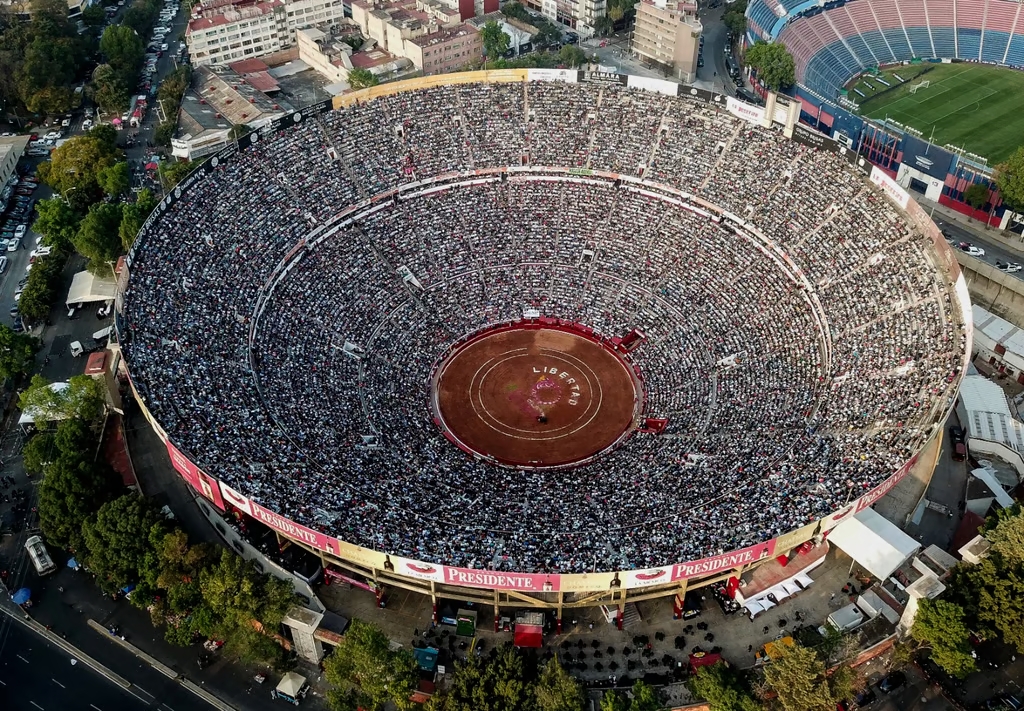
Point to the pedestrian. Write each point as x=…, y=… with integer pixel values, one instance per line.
x=832, y=598
x=60, y=588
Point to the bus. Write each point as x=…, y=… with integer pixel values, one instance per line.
x=40, y=557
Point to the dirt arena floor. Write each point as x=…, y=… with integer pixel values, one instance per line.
x=536, y=397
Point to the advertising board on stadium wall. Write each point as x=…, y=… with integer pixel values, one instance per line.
x=657, y=86
x=753, y=114
x=890, y=187
x=566, y=75
x=499, y=580
x=591, y=77
x=200, y=480
x=293, y=530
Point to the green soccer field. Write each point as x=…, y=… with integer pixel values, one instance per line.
x=974, y=106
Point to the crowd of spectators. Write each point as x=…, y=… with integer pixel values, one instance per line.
x=785, y=397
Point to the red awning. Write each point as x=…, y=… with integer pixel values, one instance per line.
x=703, y=659
x=529, y=636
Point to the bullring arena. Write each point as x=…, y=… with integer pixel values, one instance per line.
x=358, y=326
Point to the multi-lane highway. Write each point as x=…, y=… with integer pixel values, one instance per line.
x=994, y=252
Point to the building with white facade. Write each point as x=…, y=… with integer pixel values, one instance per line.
x=667, y=35
x=221, y=31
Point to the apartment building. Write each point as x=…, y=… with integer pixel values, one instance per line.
x=430, y=34
x=581, y=15
x=667, y=35
x=227, y=31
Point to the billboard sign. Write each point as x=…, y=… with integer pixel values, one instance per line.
x=416, y=569
x=293, y=530
x=590, y=77
x=890, y=187
x=753, y=114
x=196, y=477
x=645, y=578
x=724, y=562
x=497, y=580
x=926, y=158
x=235, y=499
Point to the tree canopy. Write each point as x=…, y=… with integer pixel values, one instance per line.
x=83, y=399
x=496, y=42
x=773, y=62
x=98, y=237
x=360, y=78
x=572, y=56
x=17, y=352
x=723, y=689
x=121, y=541
x=73, y=168
x=133, y=217
x=642, y=698
x=1010, y=179
x=41, y=288
x=797, y=678
x=557, y=690
x=941, y=626
x=735, y=18
x=365, y=671
x=57, y=223
x=976, y=195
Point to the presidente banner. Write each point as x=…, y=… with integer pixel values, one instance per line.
x=200, y=480
x=293, y=530
x=725, y=561
x=498, y=580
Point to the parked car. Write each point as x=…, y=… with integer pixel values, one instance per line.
x=1008, y=267
x=892, y=682
x=14, y=245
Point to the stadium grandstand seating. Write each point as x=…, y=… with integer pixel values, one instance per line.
x=832, y=44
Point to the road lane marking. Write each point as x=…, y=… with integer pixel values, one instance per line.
x=3, y=683
x=36, y=705
x=58, y=683
x=140, y=698
x=94, y=706
x=21, y=658
x=144, y=691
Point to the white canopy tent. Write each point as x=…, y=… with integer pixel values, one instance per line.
x=87, y=288
x=874, y=542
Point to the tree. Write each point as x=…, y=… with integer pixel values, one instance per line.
x=72, y=169
x=82, y=399
x=611, y=701
x=1007, y=540
x=797, y=677
x=94, y=16
x=364, y=669
x=121, y=541
x=940, y=626
x=735, y=18
x=39, y=453
x=114, y=179
x=57, y=223
x=173, y=173
x=722, y=688
x=109, y=90
x=98, y=237
x=557, y=690
x=604, y=26
x=773, y=62
x=1010, y=179
x=41, y=288
x=164, y=133
x=123, y=49
x=496, y=42
x=516, y=10
x=644, y=697
x=572, y=56
x=133, y=217
x=360, y=78
x=17, y=353
x=976, y=195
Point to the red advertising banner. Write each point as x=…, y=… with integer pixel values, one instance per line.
x=886, y=486
x=645, y=578
x=417, y=569
x=724, y=562
x=493, y=579
x=293, y=530
x=200, y=480
x=235, y=499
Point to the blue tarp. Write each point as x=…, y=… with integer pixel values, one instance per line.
x=22, y=596
x=426, y=658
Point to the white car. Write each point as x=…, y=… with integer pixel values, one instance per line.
x=163, y=47
x=19, y=232
x=975, y=251
x=65, y=123
x=1009, y=267
x=14, y=245
x=52, y=136
x=3, y=264
x=87, y=124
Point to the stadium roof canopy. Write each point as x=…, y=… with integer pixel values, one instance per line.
x=988, y=414
x=87, y=288
x=874, y=542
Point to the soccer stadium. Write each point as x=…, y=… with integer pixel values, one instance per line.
x=559, y=335
x=970, y=103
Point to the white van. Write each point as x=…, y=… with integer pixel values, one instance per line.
x=39, y=555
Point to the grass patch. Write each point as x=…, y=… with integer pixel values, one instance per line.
x=970, y=105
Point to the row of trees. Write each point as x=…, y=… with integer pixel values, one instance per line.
x=91, y=177
x=366, y=672
x=983, y=600
x=41, y=60
x=172, y=90
x=123, y=539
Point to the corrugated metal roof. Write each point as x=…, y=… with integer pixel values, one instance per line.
x=998, y=330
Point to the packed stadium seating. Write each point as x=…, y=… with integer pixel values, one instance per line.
x=831, y=45
x=842, y=378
